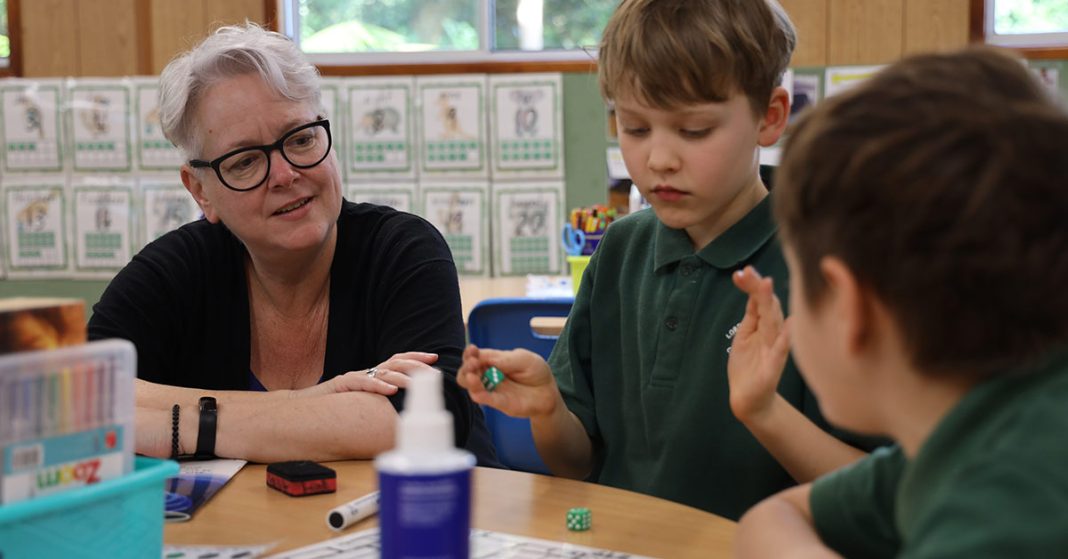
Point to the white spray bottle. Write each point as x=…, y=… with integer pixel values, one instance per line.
x=425, y=481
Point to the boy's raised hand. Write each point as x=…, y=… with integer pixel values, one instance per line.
x=528, y=390
x=759, y=350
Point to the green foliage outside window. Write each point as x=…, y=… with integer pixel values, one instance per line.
x=568, y=24
x=5, y=44
x=388, y=25
x=421, y=25
x=1030, y=16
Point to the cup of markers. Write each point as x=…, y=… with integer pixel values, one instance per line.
x=584, y=229
x=582, y=233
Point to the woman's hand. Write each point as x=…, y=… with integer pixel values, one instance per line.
x=529, y=388
x=385, y=378
x=760, y=347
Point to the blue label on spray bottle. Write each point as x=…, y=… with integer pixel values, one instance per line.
x=425, y=516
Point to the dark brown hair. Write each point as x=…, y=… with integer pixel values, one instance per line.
x=941, y=183
x=670, y=53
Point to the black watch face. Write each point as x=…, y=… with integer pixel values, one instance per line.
x=207, y=403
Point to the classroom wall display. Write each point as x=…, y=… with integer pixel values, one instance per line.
x=459, y=211
x=806, y=93
x=526, y=228
x=380, y=128
x=331, y=90
x=88, y=178
x=103, y=225
x=35, y=229
x=154, y=151
x=452, y=126
x=1049, y=76
x=400, y=196
x=841, y=78
x=165, y=205
x=527, y=125
x=31, y=117
x=99, y=123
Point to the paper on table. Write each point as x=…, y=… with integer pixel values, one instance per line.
x=549, y=286
x=484, y=543
x=214, y=551
x=195, y=483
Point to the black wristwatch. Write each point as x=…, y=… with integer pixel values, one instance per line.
x=209, y=413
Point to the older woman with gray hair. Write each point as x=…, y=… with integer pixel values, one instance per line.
x=284, y=324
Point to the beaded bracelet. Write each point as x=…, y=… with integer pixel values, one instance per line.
x=175, y=410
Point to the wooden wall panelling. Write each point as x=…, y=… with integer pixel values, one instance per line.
x=175, y=28
x=865, y=31
x=936, y=25
x=107, y=38
x=810, y=19
x=49, y=32
x=233, y=11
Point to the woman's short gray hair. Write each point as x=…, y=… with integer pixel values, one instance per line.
x=231, y=51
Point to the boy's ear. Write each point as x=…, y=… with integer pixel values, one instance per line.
x=196, y=189
x=775, y=118
x=850, y=303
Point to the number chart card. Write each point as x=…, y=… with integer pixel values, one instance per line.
x=527, y=125
x=165, y=206
x=399, y=196
x=32, y=125
x=526, y=228
x=36, y=227
x=380, y=128
x=154, y=151
x=452, y=126
x=459, y=212
x=330, y=89
x=99, y=119
x=103, y=226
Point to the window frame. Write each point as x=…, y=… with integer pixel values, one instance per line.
x=435, y=62
x=982, y=30
x=13, y=68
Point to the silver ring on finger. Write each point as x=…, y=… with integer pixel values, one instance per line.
x=372, y=372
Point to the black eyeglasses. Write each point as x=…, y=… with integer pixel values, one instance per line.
x=247, y=168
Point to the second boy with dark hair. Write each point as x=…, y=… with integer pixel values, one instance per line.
x=925, y=220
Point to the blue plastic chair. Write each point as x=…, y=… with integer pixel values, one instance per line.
x=504, y=323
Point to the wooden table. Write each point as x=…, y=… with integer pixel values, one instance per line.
x=474, y=290
x=247, y=512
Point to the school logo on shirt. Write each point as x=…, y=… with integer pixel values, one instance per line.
x=730, y=336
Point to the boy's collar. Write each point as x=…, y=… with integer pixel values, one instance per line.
x=736, y=245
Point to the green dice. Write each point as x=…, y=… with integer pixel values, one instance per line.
x=579, y=519
x=491, y=378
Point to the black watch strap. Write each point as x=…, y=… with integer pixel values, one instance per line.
x=209, y=414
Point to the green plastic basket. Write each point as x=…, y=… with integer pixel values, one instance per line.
x=118, y=518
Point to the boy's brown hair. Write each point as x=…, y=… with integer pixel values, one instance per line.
x=941, y=185
x=670, y=53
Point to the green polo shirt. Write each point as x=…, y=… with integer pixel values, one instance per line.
x=990, y=481
x=642, y=362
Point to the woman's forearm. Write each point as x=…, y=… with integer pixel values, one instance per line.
x=263, y=428
x=163, y=397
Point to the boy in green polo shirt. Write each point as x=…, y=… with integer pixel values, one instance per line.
x=640, y=395
x=925, y=219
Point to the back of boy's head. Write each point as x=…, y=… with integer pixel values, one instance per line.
x=941, y=185
x=672, y=53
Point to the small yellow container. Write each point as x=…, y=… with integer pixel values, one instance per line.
x=578, y=266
